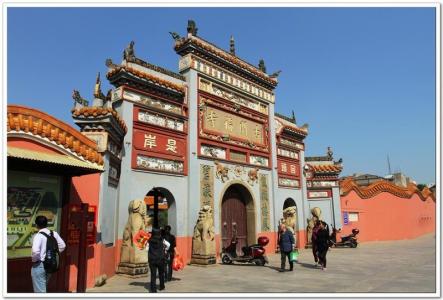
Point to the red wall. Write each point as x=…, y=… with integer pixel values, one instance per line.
x=301, y=239
x=85, y=189
x=388, y=217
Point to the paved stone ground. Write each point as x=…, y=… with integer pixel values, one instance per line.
x=375, y=267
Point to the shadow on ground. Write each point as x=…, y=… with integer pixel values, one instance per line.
x=305, y=265
x=143, y=284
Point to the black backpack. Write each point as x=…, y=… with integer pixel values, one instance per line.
x=52, y=258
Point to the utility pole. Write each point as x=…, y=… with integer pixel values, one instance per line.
x=156, y=196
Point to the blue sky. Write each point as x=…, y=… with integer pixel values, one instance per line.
x=362, y=78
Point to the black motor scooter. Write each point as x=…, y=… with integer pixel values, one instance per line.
x=251, y=254
x=346, y=241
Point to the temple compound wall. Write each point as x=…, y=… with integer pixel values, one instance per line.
x=383, y=211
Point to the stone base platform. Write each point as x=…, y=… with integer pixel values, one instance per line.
x=133, y=269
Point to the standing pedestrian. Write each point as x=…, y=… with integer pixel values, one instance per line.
x=39, y=275
x=170, y=254
x=314, y=240
x=156, y=259
x=286, y=244
x=322, y=244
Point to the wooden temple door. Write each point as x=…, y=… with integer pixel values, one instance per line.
x=234, y=219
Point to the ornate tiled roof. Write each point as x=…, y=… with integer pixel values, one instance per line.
x=224, y=55
x=322, y=177
x=94, y=111
x=348, y=184
x=284, y=124
x=326, y=168
x=318, y=158
x=145, y=64
x=22, y=119
x=146, y=76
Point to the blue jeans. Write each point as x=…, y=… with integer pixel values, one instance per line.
x=39, y=277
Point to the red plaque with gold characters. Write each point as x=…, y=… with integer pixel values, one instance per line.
x=75, y=219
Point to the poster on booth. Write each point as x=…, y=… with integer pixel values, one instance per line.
x=74, y=228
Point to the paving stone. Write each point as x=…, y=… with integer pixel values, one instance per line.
x=405, y=266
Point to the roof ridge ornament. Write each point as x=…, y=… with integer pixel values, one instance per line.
x=97, y=89
x=293, y=117
x=128, y=53
x=232, y=45
x=339, y=162
x=275, y=74
x=330, y=153
x=79, y=100
x=192, y=28
x=175, y=36
x=261, y=65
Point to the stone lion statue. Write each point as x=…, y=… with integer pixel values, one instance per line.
x=128, y=53
x=290, y=218
x=316, y=215
x=203, y=240
x=137, y=220
x=221, y=172
x=204, y=229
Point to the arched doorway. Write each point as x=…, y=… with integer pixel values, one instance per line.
x=288, y=203
x=238, y=216
x=167, y=214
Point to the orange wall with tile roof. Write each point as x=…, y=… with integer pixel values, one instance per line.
x=388, y=217
x=85, y=189
x=29, y=144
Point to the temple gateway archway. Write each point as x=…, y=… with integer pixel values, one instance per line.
x=238, y=216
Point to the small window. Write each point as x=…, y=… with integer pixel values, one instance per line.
x=353, y=217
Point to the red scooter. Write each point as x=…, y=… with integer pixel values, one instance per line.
x=251, y=254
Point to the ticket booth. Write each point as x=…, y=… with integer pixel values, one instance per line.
x=44, y=155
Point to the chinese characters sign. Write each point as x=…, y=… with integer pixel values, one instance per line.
x=225, y=123
x=264, y=203
x=207, y=185
x=160, y=143
x=319, y=194
x=289, y=168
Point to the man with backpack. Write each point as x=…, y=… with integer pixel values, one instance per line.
x=46, y=248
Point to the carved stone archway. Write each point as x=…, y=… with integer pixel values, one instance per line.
x=237, y=214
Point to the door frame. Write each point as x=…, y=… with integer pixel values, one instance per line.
x=251, y=213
